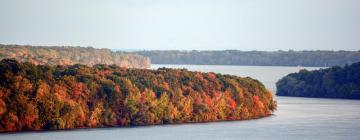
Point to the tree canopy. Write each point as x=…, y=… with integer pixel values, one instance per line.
x=45, y=97
x=254, y=58
x=334, y=82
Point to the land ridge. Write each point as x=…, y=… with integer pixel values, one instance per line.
x=70, y=55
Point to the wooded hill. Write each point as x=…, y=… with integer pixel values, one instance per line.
x=254, y=58
x=66, y=55
x=44, y=97
x=335, y=82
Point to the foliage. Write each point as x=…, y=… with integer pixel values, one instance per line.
x=41, y=97
x=335, y=82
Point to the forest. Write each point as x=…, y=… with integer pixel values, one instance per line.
x=47, y=97
x=254, y=58
x=67, y=55
x=334, y=82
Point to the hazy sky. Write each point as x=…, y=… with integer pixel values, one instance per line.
x=183, y=24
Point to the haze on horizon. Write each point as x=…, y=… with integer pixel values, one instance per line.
x=265, y=25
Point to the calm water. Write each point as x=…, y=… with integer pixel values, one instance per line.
x=296, y=118
x=268, y=75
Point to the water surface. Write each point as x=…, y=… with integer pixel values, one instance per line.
x=268, y=75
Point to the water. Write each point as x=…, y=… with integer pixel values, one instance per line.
x=296, y=118
x=268, y=75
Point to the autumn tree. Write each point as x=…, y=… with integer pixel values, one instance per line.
x=42, y=97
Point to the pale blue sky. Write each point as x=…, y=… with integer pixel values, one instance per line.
x=184, y=24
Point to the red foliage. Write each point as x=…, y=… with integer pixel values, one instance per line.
x=258, y=102
x=78, y=88
x=104, y=73
x=143, y=98
x=117, y=88
x=12, y=120
x=155, y=82
x=232, y=104
x=217, y=95
x=199, y=76
x=207, y=100
x=81, y=119
x=211, y=75
x=2, y=107
x=198, y=100
x=31, y=115
x=122, y=122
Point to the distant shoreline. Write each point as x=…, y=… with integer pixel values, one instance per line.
x=253, y=58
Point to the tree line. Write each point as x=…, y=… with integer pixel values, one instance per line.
x=334, y=82
x=256, y=58
x=47, y=97
x=67, y=55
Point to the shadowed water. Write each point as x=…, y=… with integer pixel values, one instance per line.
x=296, y=118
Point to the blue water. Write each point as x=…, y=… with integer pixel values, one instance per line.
x=296, y=118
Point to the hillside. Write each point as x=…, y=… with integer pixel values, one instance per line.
x=44, y=97
x=254, y=58
x=335, y=82
x=66, y=55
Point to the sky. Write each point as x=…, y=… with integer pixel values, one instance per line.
x=264, y=25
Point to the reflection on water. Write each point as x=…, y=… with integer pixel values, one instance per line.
x=296, y=118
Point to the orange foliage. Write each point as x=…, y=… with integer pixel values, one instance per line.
x=60, y=91
x=165, y=85
x=22, y=84
x=94, y=98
